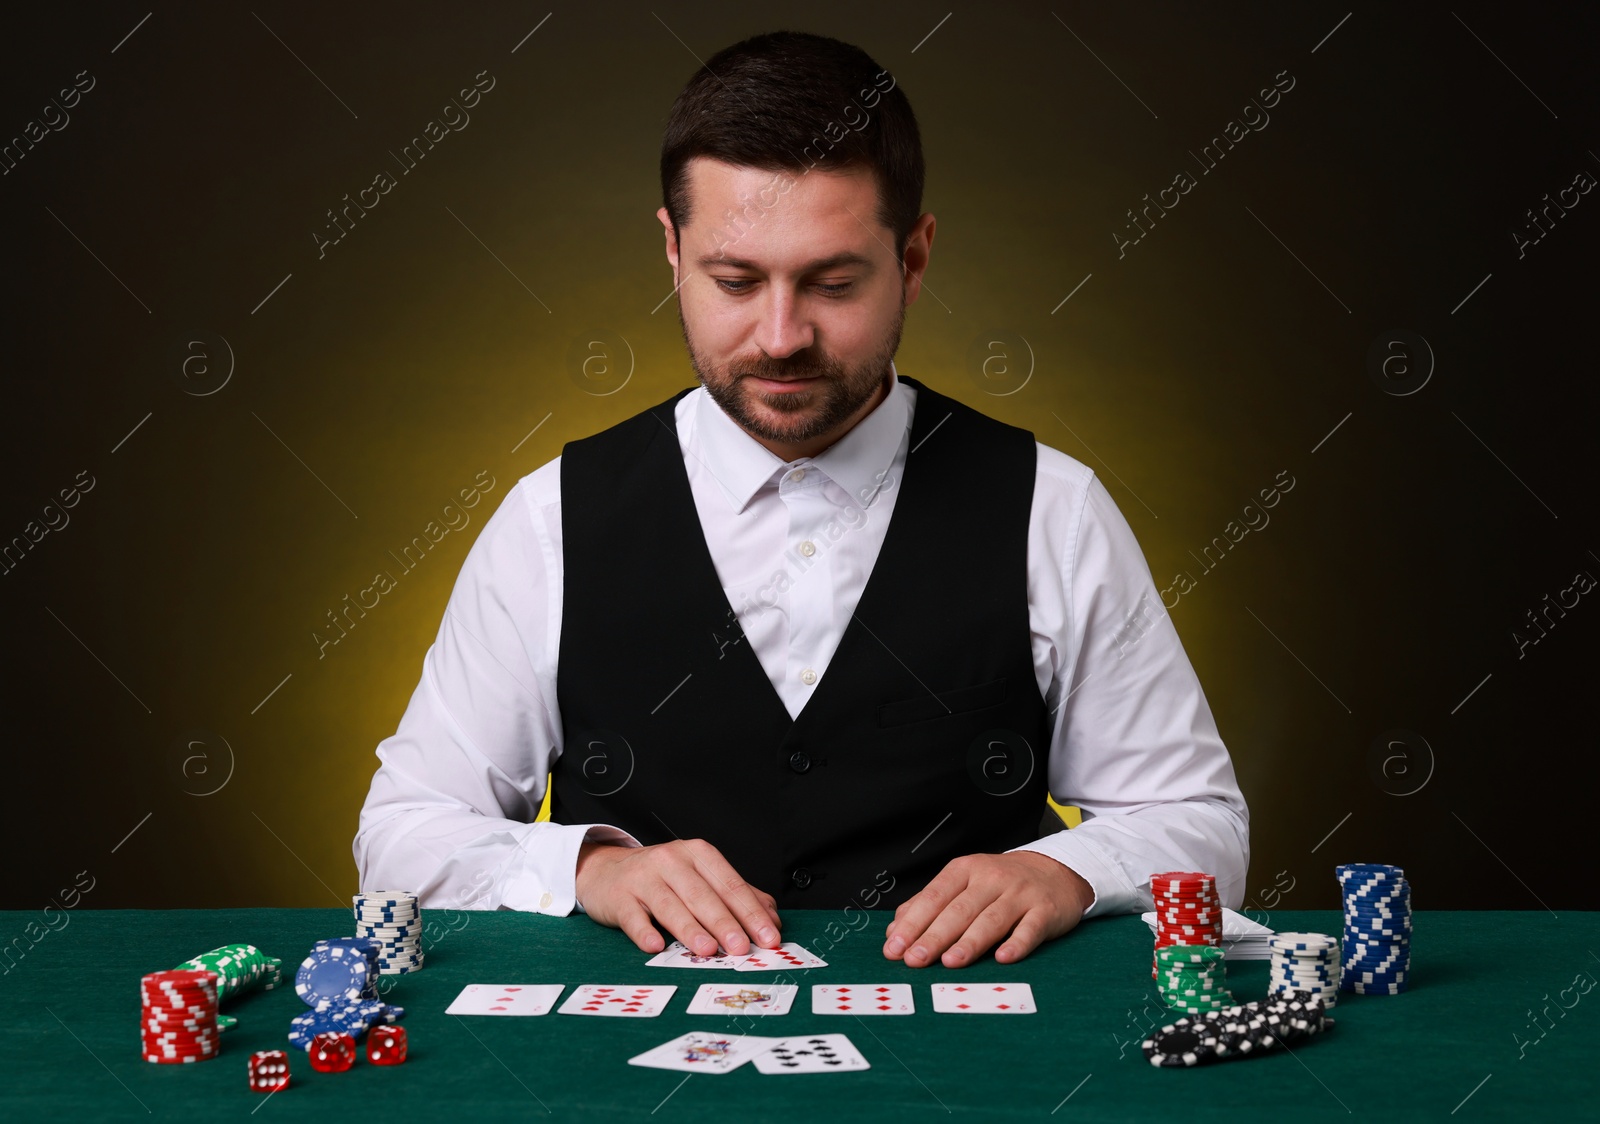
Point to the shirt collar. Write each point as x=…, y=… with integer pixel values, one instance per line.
x=858, y=462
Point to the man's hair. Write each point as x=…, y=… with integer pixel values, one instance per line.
x=788, y=101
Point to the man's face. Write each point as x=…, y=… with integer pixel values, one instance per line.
x=792, y=308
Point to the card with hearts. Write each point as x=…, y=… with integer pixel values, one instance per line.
x=743, y=999
x=618, y=1000
x=983, y=999
x=862, y=999
x=786, y=957
x=821, y=1053
x=505, y=999
x=676, y=955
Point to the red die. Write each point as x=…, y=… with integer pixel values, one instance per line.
x=269, y=1071
x=386, y=1045
x=332, y=1052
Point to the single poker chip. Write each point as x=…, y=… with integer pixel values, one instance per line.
x=1178, y=1045
x=331, y=976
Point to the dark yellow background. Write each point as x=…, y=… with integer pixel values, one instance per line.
x=1190, y=372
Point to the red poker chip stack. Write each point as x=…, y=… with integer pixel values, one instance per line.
x=178, y=1016
x=1188, y=911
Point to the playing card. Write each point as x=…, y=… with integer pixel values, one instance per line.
x=618, y=1000
x=751, y=999
x=984, y=999
x=862, y=999
x=675, y=955
x=822, y=1053
x=786, y=956
x=703, y=1052
x=505, y=999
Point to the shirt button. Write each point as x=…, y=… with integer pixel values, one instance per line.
x=808, y=677
x=801, y=878
x=799, y=761
x=808, y=548
x=545, y=899
x=797, y=475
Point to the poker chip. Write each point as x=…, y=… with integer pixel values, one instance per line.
x=1192, y=978
x=1240, y=1031
x=1304, y=962
x=178, y=1016
x=332, y=975
x=1188, y=911
x=392, y=921
x=238, y=968
x=1376, y=949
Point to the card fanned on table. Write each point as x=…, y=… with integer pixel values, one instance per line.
x=505, y=999
x=862, y=999
x=983, y=999
x=619, y=1000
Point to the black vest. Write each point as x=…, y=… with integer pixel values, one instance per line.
x=926, y=738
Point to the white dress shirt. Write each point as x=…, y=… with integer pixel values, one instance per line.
x=1133, y=742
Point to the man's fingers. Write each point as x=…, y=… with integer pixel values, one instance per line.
x=756, y=920
x=990, y=925
x=949, y=927
x=678, y=917
x=634, y=920
x=913, y=918
x=1029, y=934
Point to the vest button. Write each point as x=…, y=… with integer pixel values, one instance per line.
x=800, y=761
x=801, y=878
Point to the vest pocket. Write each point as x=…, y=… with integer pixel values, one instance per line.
x=944, y=704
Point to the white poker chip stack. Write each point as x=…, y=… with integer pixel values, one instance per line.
x=392, y=921
x=1306, y=962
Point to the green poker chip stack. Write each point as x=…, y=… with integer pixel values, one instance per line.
x=238, y=968
x=1193, y=978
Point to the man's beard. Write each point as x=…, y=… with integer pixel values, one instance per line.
x=809, y=413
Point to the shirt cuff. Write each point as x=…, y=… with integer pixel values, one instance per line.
x=1085, y=859
x=544, y=879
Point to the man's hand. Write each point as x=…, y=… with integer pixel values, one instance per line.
x=978, y=899
x=686, y=886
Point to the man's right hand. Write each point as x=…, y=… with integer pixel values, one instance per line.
x=686, y=886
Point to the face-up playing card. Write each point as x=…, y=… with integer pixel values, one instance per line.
x=862, y=999
x=676, y=955
x=786, y=956
x=505, y=999
x=703, y=1052
x=751, y=999
x=822, y=1053
x=618, y=1000
x=984, y=999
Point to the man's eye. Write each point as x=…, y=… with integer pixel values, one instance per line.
x=834, y=289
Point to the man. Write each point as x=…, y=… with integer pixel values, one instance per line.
x=811, y=634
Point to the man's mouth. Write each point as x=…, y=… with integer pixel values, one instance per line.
x=781, y=385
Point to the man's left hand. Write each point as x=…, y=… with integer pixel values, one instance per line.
x=977, y=900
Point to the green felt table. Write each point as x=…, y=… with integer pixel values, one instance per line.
x=70, y=1048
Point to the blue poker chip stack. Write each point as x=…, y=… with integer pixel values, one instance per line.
x=392, y=921
x=1377, y=928
x=1308, y=962
x=338, y=980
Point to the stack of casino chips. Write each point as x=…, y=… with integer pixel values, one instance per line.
x=1307, y=962
x=1377, y=928
x=1193, y=978
x=1236, y=1032
x=178, y=1016
x=238, y=968
x=338, y=980
x=392, y=921
x=1188, y=911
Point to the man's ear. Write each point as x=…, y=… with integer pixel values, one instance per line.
x=672, y=240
